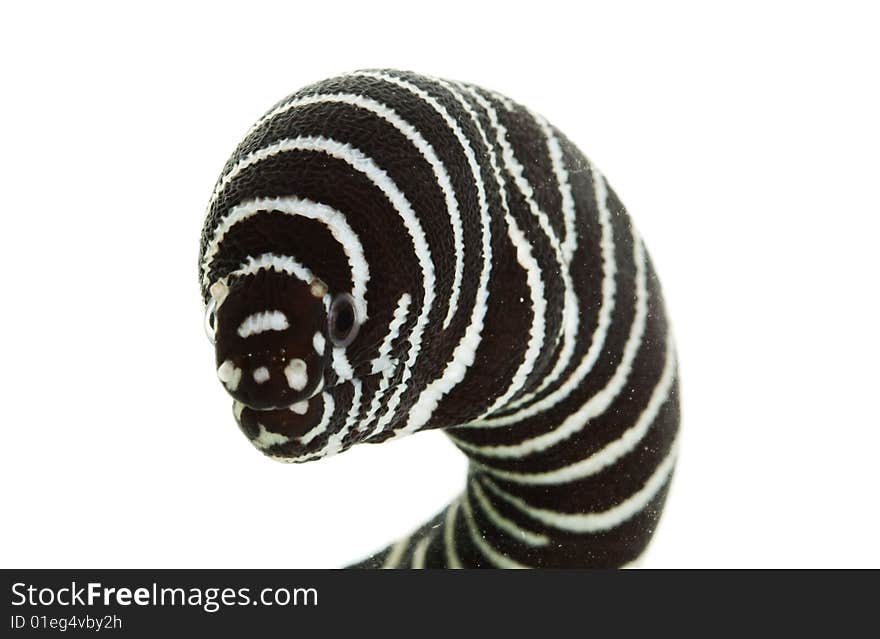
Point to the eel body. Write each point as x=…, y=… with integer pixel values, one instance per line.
x=386, y=253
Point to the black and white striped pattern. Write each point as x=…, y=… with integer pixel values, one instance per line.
x=502, y=293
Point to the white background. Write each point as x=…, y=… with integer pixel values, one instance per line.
x=743, y=141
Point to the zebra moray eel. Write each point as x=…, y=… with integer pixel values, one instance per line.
x=386, y=253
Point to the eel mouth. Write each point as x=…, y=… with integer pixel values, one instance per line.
x=295, y=406
x=272, y=427
x=286, y=431
x=300, y=431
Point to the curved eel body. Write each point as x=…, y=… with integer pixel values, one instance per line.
x=386, y=253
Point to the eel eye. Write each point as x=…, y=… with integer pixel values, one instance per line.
x=342, y=321
x=211, y=320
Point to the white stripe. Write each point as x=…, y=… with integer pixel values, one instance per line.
x=569, y=215
x=598, y=403
x=570, y=315
x=495, y=558
x=396, y=553
x=537, y=328
x=503, y=523
x=612, y=451
x=463, y=355
x=506, y=102
x=340, y=364
x=334, y=441
x=384, y=362
x=266, y=438
x=329, y=406
x=330, y=217
x=376, y=402
x=526, y=261
x=257, y=323
x=237, y=408
x=516, y=171
x=280, y=263
x=603, y=520
x=419, y=142
x=418, y=559
x=452, y=560
x=597, y=343
x=571, y=312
